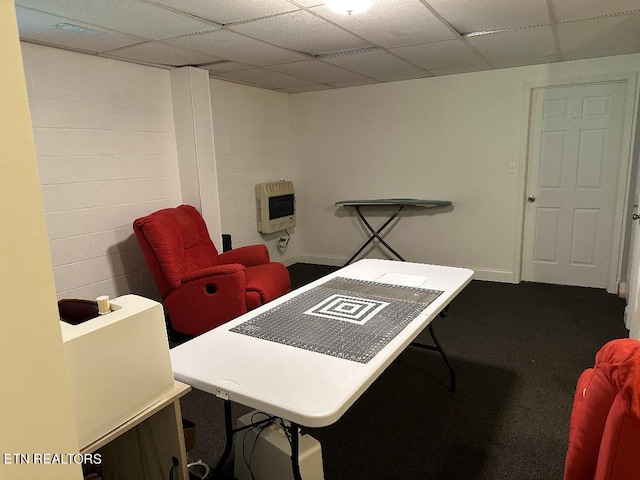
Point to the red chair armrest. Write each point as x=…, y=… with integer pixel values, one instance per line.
x=248, y=256
x=212, y=272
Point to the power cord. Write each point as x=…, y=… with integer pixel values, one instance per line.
x=247, y=461
x=284, y=242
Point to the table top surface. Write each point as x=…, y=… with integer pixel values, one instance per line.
x=396, y=202
x=306, y=387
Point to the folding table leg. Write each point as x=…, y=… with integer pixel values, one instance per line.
x=452, y=374
x=438, y=348
x=295, y=451
x=228, y=428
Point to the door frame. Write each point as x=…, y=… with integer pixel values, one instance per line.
x=623, y=200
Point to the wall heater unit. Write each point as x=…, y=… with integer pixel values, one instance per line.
x=276, y=206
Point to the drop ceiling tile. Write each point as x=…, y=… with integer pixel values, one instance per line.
x=39, y=27
x=597, y=34
x=226, y=66
x=158, y=53
x=374, y=64
x=131, y=16
x=309, y=3
x=450, y=54
x=405, y=76
x=316, y=71
x=461, y=69
x=224, y=11
x=238, y=48
x=525, y=62
x=582, y=9
x=415, y=37
x=391, y=23
x=480, y=15
x=605, y=52
x=300, y=31
x=354, y=83
x=515, y=44
x=264, y=78
x=309, y=88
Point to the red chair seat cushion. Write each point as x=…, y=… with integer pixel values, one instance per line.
x=266, y=282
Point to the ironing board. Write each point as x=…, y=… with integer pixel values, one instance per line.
x=397, y=204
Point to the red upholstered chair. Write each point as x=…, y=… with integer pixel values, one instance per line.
x=604, y=437
x=200, y=288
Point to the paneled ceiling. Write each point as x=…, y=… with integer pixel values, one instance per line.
x=300, y=45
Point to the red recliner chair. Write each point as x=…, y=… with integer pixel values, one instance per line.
x=604, y=436
x=200, y=288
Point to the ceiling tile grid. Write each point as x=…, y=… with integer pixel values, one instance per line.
x=391, y=23
x=300, y=31
x=300, y=45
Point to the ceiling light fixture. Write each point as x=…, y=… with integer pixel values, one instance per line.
x=348, y=7
x=340, y=53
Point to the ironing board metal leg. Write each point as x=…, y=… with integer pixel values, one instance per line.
x=375, y=234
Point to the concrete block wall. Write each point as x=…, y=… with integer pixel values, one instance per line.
x=252, y=136
x=105, y=142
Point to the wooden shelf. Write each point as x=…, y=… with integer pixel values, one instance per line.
x=158, y=429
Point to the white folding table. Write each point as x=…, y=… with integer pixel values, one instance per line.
x=308, y=388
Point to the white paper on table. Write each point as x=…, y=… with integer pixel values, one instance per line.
x=402, y=279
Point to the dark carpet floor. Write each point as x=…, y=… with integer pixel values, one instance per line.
x=517, y=351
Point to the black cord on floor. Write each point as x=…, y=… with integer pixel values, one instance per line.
x=175, y=463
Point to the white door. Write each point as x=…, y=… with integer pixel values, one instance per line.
x=572, y=183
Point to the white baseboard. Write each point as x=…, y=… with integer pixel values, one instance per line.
x=287, y=261
x=321, y=259
x=503, y=276
x=622, y=290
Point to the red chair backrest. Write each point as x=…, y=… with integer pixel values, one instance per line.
x=175, y=242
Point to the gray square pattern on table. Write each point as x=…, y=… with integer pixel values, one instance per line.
x=344, y=318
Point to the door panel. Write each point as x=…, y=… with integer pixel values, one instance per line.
x=591, y=159
x=547, y=229
x=585, y=240
x=551, y=154
x=572, y=180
